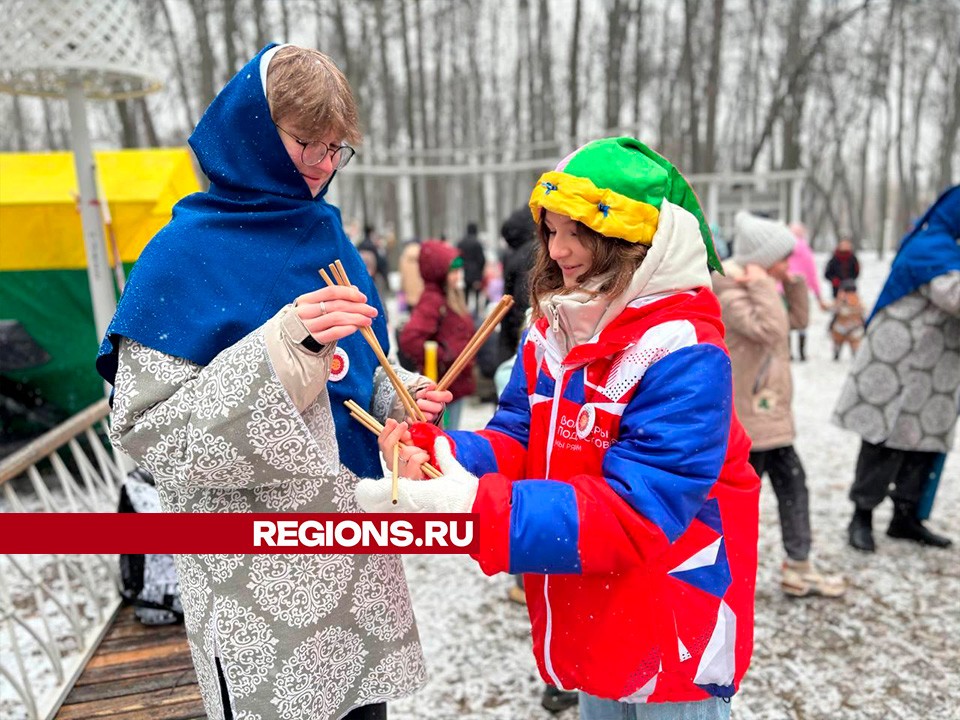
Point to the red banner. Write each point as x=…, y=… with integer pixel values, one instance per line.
x=221, y=533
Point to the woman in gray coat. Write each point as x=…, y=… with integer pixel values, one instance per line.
x=230, y=368
x=902, y=393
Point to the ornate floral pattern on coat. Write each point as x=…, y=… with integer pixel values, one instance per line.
x=297, y=636
x=904, y=386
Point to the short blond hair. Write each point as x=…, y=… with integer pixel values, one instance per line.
x=305, y=87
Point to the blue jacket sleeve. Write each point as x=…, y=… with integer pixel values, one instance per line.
x=673, y=437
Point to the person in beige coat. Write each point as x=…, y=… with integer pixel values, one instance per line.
x=411, y=284
x=758, y=321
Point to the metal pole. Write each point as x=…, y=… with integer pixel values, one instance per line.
x=491, y=215
x=796, y=189
x=102, y=291
x=713, y=201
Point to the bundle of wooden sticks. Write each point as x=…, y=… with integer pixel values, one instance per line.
x=409, y=404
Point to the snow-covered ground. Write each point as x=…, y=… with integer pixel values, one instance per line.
x=887, y=650
x=883, y=651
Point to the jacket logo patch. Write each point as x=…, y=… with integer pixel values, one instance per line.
x=765, y=401
x=586, y=419
x=339, y=364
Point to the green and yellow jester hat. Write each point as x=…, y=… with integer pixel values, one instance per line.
x=616, y=186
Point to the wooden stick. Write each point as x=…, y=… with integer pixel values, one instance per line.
x=374, y=426
x=326, y=278
x=342, y=269
x=480, y=337
x=395, y=489
x=409, y=404
x=340, y=277
x=476, y=342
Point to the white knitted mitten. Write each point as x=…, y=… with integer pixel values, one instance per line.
x=452, y=492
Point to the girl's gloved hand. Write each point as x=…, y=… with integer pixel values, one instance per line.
x=453, y=492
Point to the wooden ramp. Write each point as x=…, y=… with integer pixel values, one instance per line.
x=137, y=673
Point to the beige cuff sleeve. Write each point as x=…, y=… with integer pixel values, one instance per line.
x=303, y=373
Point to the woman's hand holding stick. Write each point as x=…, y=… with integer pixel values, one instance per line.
x=409, y=404
x=374, y=426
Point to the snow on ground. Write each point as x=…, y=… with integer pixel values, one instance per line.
x=883, y=651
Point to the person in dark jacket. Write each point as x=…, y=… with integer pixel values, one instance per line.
x=518, y=231
x=902, y=394
x=442, y=316
x=473, y=263
x=842, y=266
x=370, y=244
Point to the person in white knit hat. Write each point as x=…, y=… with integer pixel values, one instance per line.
x=758, y=326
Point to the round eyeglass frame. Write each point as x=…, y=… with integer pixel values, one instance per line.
x=344, y=151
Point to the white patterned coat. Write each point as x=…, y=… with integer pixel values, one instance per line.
x=298, y=636
x=904, y=387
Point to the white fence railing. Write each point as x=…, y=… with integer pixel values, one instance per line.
x=54, y=609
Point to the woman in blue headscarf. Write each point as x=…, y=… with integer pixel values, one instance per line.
x=230, y=369
x=904, y=387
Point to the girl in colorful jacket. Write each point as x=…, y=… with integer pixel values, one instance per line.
x=614, y=472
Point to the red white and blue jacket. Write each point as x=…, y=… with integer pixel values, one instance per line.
x=615, y=478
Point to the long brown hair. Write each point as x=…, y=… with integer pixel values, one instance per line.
x=456, y=298
x=614, y=255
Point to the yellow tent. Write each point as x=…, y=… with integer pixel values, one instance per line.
x=43, y=278
x=39, y=221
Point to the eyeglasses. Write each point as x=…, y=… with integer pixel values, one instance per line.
x=314, y=151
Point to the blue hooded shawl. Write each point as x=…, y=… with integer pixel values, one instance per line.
x=927, y=251
x=231, y=257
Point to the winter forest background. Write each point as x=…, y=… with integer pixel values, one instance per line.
x=864, y=95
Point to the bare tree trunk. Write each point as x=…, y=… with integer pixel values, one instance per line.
x=902, y=201
x=533, y=125
x=386, y=76
x=207, y=84
x=439, y=51
x=421, y=78
x=713, y=88
x=827, y=197
x=788, y=85
x=420, y=200
x=798, y=18
x=388, y=92
x=343, y=39
x=149, y=129
x=616, y=31
x=128, y=124
x=261, y=24
x=639, y=73
x=574, y=74
x=178, y=65
x=518, y=107
x=285, y=19
x=48, y=130
x=880, y=71
x=884, y=181
x=546, y=94
x=687, y=70
x=18, y=125
x=920, y=102
x=666, y=97
x=950, y=124
x=230, y=36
